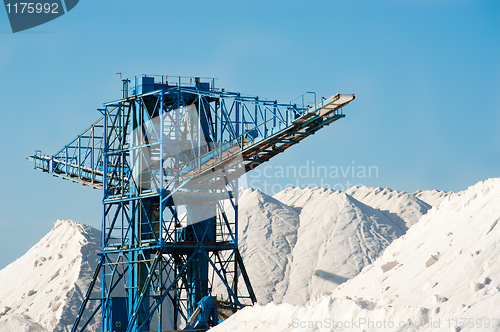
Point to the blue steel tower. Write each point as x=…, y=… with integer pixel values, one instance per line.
x=168, y=156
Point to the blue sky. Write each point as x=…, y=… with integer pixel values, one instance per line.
x=426, y=75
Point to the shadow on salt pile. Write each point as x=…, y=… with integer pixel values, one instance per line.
x=330, y=277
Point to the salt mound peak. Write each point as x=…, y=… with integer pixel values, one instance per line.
x=48, y=281
x=432, y=197
x=338, y=236
x=400, y=207
x=292, y=246
x=447, y=263
x=444, y=269
x=299, y=197
x=294, y=252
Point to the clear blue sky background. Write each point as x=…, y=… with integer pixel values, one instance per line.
x=426, y=74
